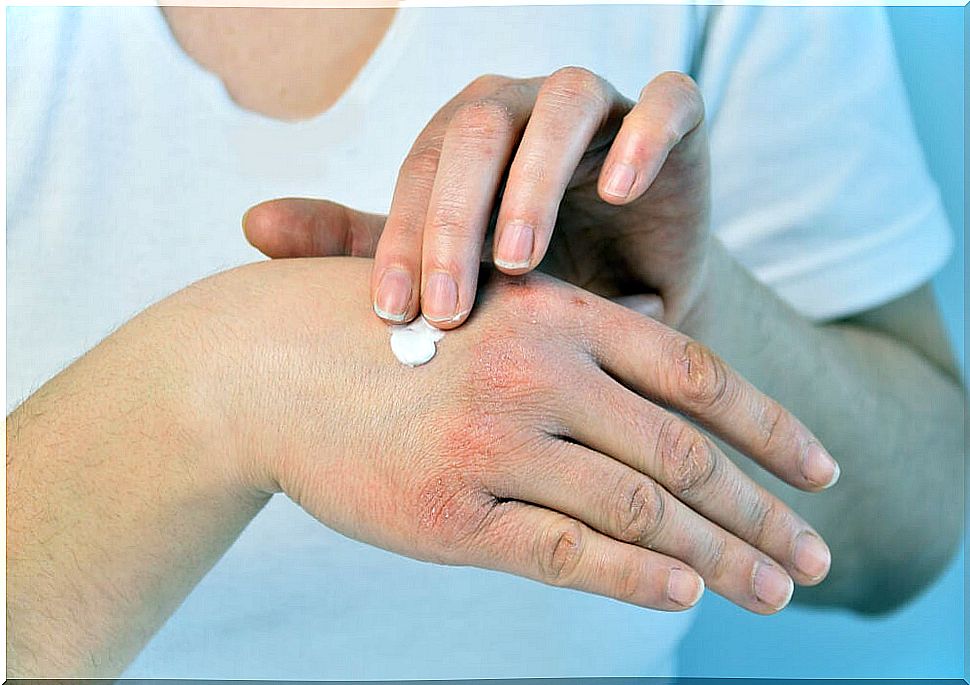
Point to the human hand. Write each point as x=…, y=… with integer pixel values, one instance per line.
x=624, y=186
x=488, y=456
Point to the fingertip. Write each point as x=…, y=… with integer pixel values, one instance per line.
x=617, y=183
x=819, y=470
x=256, y=226
x=393, y=297
x=514, y=251
x=811, y=558
x=388, y=317
x=449, y=325
x=441, y=300
x=836, y=476
x=510, y=269
x=772, y=588
x=684, y=588
x=612, y=200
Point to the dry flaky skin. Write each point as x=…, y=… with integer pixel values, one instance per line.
x=480, y=401
x=439, y=457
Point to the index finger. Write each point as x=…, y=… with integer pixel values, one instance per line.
x=575, y=111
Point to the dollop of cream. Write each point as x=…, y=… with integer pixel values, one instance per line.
x=415, y=343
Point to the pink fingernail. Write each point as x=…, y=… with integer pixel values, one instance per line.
x=812, y=556
x=684, y=588
x=515, y=246
x=393, y=295
x=818, y=467
x=440, y=301
x=772, y=586
x=619, y=183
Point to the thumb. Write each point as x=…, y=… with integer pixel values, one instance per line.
x=300, y=227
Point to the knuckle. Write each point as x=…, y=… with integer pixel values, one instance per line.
x=578, y=84
x=450, y=220
x=514, y=90
x=716, y=560
x=683, y=90
x=774, y=421
x=483, y=119
x=649, y=138
x=422, y=160
x=506, y=392
x=666, y=136
x=684, y=87
x=760, y=522
x=452, y=508
x=395, y=243
x=576, y=78
x=639, y=511
x=559, y=552
x=488, y=444
x=507, y=368
x=699, y=376
x=532, y=171
x=486, y=83
x=526, y=359
x=629, y=583
x=679, y=81
x=686, y=458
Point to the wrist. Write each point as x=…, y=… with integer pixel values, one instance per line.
x=279, y=355
x=200, y=381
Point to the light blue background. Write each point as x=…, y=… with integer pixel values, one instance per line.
x=925, y=638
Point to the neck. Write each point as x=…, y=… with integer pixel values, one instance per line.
x=284, y=63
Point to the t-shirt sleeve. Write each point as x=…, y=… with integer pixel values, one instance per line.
x=819, y=185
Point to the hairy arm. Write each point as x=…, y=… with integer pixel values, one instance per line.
x=882, y=393
x=118, y=501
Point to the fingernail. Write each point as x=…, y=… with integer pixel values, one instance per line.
x=818, y=467
x=619, y=183
x=393, y=295
x=515, y=246
x=684, y=588
x=772, y=586
x=440, y=301
x=812, y=556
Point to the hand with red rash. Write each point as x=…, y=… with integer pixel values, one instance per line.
x=488, y=456
x=607, y=194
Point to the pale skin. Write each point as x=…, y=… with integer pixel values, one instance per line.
x=139, y=439
x=131, y=472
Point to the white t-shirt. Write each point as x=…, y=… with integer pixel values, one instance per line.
x=129, y=168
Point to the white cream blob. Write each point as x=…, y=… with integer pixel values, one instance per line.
x=414, y=343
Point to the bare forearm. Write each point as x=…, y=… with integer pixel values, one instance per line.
x=891, y=418
x=114, y=507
